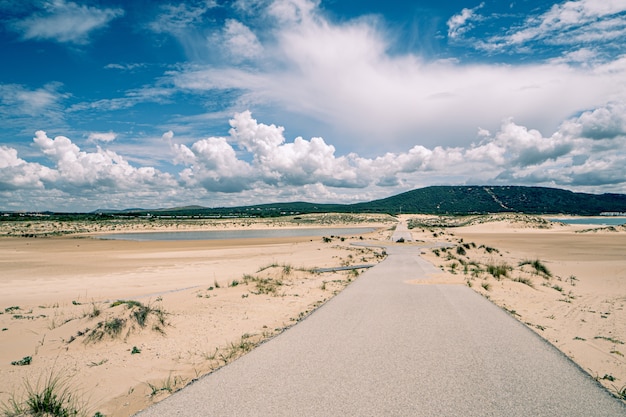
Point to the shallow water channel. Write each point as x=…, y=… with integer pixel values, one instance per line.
x=239, y=234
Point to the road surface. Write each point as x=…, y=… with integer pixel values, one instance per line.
x=383, y=347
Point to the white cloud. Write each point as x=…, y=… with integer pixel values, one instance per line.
x=17, y=174
x=102, y=137
x=22, y=107
x=514, y=152
x=132, y=98
x=18, y=100
x=179, y=18
x=256, y=163
x=569, y=23
x=125, y=67
x=76, y=169
x=62, y=21
x=341, y=76
x=460, y=23
x=293, y=11
x=240, y=42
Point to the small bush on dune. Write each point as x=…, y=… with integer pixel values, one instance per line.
x=139, y=313
x=538, y=266
x=498, y=271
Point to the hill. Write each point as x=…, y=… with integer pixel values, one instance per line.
x=457, y=200
x=432, y=200
x=496, y=199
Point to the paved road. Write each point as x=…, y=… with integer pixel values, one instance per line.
x=402, y=232
x=386, y=348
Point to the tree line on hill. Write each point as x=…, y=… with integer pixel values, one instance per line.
x=441, y=200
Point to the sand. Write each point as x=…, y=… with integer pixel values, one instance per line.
x=207, y=302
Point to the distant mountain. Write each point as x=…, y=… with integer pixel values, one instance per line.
x=429, y=200
x=495, y=199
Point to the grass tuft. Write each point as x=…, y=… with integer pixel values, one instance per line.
x=525, y=281
x=539, y=267
x=498, y=271
x=53, y=398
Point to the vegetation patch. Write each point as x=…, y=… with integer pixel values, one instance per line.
x=52, y=398
x=538, y=267
x=269, y=286
x=26, y=360
x=498, y=271
x=139, y=315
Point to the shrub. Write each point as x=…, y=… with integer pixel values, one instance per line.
x=538, y=266
x=498, y=271
x=26, y=360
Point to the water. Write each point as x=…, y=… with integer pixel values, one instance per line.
x=239, y=234
x=605, y=221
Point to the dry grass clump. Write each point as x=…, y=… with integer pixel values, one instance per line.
x=478, y=262
x=133, y=316
x=52, y=397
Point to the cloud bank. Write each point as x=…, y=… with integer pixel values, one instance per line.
x=259, y=164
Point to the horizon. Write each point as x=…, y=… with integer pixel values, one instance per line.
x=113, y=104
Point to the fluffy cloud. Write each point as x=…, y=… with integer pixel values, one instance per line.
x=17, y=174
x=256, y=163
x=95, y=171
x=62, y=21
x=516, y=153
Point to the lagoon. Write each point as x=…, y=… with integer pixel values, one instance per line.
x=238, y=234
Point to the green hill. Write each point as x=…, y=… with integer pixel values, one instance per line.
x=496, y=199
x=429, y=200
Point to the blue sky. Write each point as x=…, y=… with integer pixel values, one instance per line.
x=115, y=104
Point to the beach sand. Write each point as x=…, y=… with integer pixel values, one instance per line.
x=202, y=303
x=56, y=295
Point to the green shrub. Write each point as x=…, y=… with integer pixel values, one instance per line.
x=538, y=266
x=498, y=271
x=26, y=360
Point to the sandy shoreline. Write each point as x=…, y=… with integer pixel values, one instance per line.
x=219, y=298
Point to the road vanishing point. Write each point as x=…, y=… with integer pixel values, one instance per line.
x=386, y=347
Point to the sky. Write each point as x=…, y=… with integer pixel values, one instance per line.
x=148, y=103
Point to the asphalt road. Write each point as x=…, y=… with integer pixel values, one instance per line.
x=383, y=347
